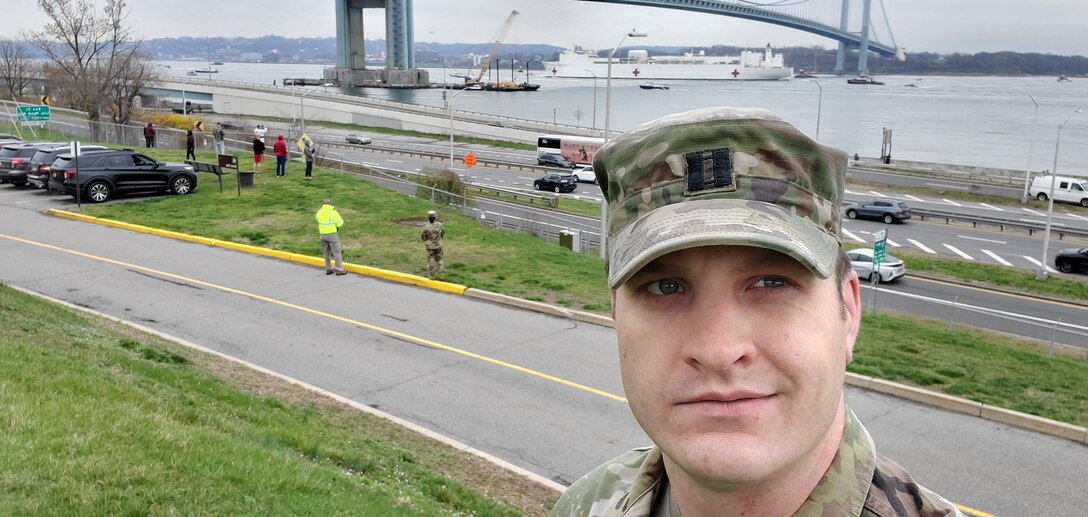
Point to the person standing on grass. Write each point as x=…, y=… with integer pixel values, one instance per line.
x=280, y=148
x=220, y=140
x=258, y=154
x=736, y=312
x=432, y=235
x=190, y=146
x=149, y=135
x=308, y=152
x=328, y=225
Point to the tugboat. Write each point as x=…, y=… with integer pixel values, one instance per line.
x=653, y=86
x=863, y=79
x=804, y=74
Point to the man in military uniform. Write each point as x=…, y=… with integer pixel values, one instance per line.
x=432, y=235
x=736, y=312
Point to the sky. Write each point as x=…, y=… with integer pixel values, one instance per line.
x=943, y=26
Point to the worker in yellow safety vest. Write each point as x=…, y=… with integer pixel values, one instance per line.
x=328, y=221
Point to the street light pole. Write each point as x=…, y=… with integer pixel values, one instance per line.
x=1031, y=147
x=594, y=98
x=302, y=108
x=449, y=104
x=1041, y=275
x=607, y=128
x=608, y=81
x=819, y=107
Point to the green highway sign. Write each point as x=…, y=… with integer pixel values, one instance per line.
x=879, y=247
x=33, y=113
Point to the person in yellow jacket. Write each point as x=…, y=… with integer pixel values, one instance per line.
x=328, y=222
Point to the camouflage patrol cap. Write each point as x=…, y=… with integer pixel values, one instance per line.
x=720, y=176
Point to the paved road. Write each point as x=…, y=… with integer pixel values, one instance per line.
x=443, y=361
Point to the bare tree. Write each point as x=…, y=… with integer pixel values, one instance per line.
x=94, y=58
x=16, y=67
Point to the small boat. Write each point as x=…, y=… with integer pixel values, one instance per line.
x=206, y=71
x=191, y=72
x=1062, y=78
x=509, y=86
x=804, y=74
x=653, y=86
x=217, y=63
x=863, y=79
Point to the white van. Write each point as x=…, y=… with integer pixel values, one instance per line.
x=1066, y=188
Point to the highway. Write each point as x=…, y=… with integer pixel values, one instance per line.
x=448, y=363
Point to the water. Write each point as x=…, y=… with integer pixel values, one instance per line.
x=983, y=121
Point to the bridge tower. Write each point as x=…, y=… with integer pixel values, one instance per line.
x=863, y=52
x=351, y=69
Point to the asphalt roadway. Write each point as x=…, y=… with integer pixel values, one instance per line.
x=539, y=391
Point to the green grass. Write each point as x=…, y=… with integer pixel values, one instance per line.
x=973, y=364
x=99, y=419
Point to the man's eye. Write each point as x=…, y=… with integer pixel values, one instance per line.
x=771, y=282
x=664, y=287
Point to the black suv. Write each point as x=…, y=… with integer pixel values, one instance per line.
x=554, y=160
x=883, y=209
x=103, y=174
x=15, y=160
x=557, y=181
x=37, y=174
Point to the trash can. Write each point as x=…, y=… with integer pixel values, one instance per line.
x=245, y=178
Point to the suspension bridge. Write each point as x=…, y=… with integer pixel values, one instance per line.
x=850, y=23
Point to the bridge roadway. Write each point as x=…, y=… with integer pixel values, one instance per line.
x=337, y=333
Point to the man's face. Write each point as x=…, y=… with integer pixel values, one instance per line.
x=733, y=360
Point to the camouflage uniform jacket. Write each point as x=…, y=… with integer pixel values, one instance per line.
x=432, y=235
x=859, y=483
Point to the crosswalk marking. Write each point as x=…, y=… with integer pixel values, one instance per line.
x=999, y=260
x=953, y=203
x=991, y=207
x=922, y=247
x=957, y=251
x=1037, y=264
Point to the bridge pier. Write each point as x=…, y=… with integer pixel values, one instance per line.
x=351, y=67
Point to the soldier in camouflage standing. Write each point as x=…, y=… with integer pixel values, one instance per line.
x=432, y=235
x=736, y=313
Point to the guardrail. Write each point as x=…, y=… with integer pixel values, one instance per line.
x=1002, y=224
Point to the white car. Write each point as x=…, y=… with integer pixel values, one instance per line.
x=585, y=173
x=891, y=268
x=358, y=139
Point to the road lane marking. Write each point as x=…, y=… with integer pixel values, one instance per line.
x=991, y=207
x=1030, y=211
x=850, y=234
x=1035, y=261
x=949, y=201
x=389, y=332
x=945, y=185
x=1075, y=216
x=922, y=247
x=957, y=251
x=1000, y=260
x=893, y=244
x=877, y=194
x=968, y=237
x=914, y=198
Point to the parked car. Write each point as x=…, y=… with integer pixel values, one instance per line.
x=37, y=173
x=15, y=160
x=891, y=268
x=556, y=181
x=103, y=174
x=358, y=139
x=554, y=160
x=585, y=173
x=1070, y=260
x=883, y=209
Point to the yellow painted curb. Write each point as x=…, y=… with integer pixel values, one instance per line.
x=71, y=215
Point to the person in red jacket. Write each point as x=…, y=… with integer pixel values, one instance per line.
x=280, y=148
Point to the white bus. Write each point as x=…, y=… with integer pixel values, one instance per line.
x=578, y=149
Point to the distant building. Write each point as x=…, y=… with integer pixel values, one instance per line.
x=251, y=57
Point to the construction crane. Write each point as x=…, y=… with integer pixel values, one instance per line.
x=486, y=64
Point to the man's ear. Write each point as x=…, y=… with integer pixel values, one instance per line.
x=851, y=296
